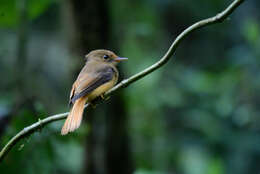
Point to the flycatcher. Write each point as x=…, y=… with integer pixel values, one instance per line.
x=97, y=76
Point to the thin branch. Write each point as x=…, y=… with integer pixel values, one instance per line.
x=41, y=123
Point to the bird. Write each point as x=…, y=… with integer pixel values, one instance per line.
x=97, y=76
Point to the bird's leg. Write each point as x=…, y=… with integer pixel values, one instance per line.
x=92, y=105
x=104, y=98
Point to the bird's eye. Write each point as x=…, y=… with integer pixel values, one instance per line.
x=106, y=56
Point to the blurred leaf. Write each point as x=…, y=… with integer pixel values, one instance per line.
x=216, y=167
x=251, y=31
x=9, y=12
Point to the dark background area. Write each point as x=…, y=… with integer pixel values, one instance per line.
x=199, y=114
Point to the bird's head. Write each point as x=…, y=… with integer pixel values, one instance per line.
x=105, y=56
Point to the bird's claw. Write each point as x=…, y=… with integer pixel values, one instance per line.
x=104, y=98
x=92, y=105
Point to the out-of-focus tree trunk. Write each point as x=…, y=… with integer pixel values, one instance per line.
x=89, y=23
x=22, y=37
x=118, y=159
x=107, y=149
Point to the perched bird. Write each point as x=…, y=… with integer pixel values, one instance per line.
x=97, y=76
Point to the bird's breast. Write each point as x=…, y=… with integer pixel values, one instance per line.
x=102, y=89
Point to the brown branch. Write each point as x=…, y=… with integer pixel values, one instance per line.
x=41, y=123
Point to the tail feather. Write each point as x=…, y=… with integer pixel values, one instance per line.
x=75, y=116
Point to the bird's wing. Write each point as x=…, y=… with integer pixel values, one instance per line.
x=72, y=93
x=87, y=82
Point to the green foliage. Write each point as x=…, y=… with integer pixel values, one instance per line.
x=9, y=10
x=251, y=31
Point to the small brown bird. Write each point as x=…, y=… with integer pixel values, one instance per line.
x=97, y=76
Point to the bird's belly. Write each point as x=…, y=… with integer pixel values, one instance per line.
x=101, y=90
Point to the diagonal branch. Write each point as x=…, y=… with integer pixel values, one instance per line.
x=206, y=22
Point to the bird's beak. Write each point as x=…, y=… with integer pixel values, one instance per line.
x=119, y=59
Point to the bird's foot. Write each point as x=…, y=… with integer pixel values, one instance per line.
x=104, y=98
x=92, y=105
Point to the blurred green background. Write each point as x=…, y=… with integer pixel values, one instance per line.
x=199, y=114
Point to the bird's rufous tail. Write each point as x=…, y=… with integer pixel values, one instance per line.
x=75, y=116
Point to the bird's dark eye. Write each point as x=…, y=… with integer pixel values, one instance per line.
x=106, y=56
